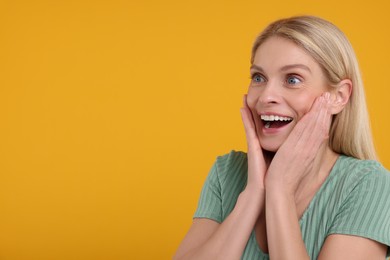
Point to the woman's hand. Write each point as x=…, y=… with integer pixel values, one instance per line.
x=256, y=163
x=295, y=157
x=208, y=239
x=291, y=163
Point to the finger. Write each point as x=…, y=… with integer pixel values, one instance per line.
x=307, y=122
x=309, y=131
x=322, y=121
x=249, y=126
x=312, y=116
x=248, y=115
x=256, y=164
x=317, y=128
x=254, y=149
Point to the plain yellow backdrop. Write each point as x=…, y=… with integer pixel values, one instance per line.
x=112, y=113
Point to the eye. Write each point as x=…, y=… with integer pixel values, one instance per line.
x=293, y=80
x=257, y=78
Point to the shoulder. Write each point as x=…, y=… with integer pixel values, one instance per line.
x=231, y=164
x=353, y=172
x=353, y=182
x=361, y=167
x=233, y=158
x=360, y=200
x=225, y=182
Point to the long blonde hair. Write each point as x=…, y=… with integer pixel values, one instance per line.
x=350, y=132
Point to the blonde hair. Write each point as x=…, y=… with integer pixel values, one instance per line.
x=350, y=132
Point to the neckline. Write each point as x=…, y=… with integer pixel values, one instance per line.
x=320, y=190
x=309, y=207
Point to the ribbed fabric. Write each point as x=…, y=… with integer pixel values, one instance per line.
x=353, y=200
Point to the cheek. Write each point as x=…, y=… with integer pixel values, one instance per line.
x=303, y=103
x=251, y=98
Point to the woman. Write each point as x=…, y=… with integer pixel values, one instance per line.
x=309, y=186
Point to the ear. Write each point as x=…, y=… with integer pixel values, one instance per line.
x=341, y=95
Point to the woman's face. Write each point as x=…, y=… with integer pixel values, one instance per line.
x=285, y=81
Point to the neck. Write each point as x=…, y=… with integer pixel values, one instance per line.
x=322, y=166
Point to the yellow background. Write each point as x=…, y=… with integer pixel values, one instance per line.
x=112, y=113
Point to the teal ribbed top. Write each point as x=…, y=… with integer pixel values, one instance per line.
x=353, y=200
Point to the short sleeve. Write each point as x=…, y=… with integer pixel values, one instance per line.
x=366, y=211
x=210, y=201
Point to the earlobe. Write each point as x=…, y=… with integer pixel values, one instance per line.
x=341, y=94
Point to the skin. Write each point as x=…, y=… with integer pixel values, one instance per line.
x=286, y=166
x=285, y=81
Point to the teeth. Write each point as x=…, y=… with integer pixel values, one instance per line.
x=275, y=118
x=267, y=125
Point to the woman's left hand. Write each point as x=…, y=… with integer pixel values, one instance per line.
x=295, y=157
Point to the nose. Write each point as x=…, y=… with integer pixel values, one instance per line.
x=266, y=94
x=269, y=94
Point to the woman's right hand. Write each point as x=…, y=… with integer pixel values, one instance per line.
x=208, y=239
x=256, y=164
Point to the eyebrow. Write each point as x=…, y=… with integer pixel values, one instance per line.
x=284, y=68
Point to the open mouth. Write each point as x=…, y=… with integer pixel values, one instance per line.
x=273, y=121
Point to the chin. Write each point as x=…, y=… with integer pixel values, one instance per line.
x=270, y=147
x=272, y=144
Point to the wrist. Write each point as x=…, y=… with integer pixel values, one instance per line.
x=253, y=195
x=279, y=193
